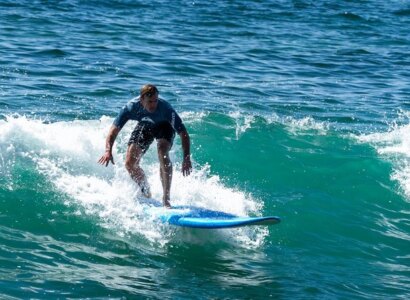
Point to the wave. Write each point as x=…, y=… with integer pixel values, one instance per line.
x=311, y=178
x=394, y=146
x=51, y=52
x=402, y=12
x=241, y=122
x=66, y=154
x=351, y=16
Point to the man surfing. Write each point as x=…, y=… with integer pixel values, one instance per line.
x=156, y=120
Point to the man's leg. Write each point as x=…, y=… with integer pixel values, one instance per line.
x=165, y=169
x=132, y=160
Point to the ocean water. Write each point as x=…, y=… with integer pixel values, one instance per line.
x=298, y=109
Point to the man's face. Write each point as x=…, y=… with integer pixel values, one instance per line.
x=150, y=102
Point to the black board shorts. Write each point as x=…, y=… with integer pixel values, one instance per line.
x=145, y=133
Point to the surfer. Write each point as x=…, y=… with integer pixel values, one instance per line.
x=156, y=120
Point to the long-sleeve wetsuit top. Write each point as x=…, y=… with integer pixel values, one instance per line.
x=134, y=110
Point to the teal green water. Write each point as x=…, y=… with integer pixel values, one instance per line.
x=295, y=108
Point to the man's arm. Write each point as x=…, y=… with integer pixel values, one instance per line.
x=185, y=142
x=109, y=142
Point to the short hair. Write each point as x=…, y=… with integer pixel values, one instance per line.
x=148, y=89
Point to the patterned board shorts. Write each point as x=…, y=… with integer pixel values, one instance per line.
x=145, y=133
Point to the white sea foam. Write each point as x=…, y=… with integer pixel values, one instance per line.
x=243, y=122
x=66, y=153
x=294, y=126
x=300, y=126
x=394, y=145
x=190, y=116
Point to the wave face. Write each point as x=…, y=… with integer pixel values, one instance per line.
x=295, y=108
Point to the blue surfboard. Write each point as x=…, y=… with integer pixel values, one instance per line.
x=196, y=217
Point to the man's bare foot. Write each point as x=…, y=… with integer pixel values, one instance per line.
x=166, y=203
x=146, y=192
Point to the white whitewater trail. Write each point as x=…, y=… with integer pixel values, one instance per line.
x=66, y=154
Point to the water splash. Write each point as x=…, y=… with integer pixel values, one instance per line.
x=66, y=153
x=394, y=145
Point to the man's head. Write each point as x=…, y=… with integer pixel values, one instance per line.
x=149, y=97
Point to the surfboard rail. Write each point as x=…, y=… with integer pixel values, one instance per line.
x=197, y=217
x=224, y=223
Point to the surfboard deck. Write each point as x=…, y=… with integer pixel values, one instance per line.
x=195, y=217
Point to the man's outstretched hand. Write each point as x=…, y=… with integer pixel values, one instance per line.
x=106, y=159
x=186, y=166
